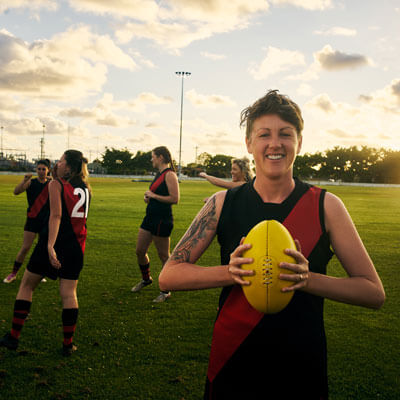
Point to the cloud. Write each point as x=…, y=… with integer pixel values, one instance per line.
x=212, y=100
x=304, y=90
x=306, y=4
x=72, y=63
x=192, y=20
x=387, y=99
x=322, y=102
x=212, y=56
x=6, y=5
x=337, y=31
x=331, y=60
x=276, y=60
x=103, y=112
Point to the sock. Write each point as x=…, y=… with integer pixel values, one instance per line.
x=21, y=311
x=16, y=267
x=145, y=270
x=69, y=317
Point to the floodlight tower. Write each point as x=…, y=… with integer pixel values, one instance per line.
x=42, y=144
x=2, y=154
x=182, y=74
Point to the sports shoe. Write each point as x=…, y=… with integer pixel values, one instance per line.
x=141, y=285
x=43, y=280
x=162, y=297
x=8, y=341
x=10, y=278
x=68, y=350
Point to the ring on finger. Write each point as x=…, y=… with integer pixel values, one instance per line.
x=300, y=277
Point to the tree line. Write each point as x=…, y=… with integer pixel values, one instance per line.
x=352, y=164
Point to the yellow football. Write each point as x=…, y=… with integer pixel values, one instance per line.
x=269, y=239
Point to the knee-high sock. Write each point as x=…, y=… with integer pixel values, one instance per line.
x=16, y=267
x=145, y=270
x=69, y=317
x=21, y=311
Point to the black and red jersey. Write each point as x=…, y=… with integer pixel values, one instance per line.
x=75, y=207
x=252, y=353
x=37, y=195
x=159, y=186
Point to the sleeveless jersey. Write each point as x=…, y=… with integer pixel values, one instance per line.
x=159, y=186
x=37, y=195
x=276, y=353
x=75, y=207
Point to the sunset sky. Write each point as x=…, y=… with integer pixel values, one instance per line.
x=100, y=73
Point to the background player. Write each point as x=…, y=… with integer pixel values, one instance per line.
x=284, y=353
x=158, y=223
x=37, y=214
x=240, y=172
x=59, y=251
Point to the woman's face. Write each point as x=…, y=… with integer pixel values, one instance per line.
x=274, y=144
x=62, y=167
x=156, y=160
x=42, y=171
x=237, y=174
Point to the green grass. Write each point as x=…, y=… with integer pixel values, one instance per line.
x=131, y=348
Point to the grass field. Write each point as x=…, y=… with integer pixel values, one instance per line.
x=132, y=348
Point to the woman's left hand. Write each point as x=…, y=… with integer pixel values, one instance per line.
x=301, y=271
x=53, y=258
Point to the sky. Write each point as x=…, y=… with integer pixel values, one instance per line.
x=92, y=74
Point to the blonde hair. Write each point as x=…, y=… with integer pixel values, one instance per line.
x=244, y=165
x=78, y=166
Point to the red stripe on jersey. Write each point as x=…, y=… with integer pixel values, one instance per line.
x=39, y=202
x=159, y=181
x=78, y=223
x=237, y=317
x=69, y=328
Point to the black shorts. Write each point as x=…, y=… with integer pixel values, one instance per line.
x=70, y=256
x=158, y=226
x=34, y=225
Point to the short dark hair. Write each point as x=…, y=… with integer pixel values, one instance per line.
x=44, y=161
x=272, y=103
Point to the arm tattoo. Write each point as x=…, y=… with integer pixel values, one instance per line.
x=205, y=220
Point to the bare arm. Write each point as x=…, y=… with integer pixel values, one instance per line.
x=221, y=182
x=173, y=189
x=362, y=286
x=180, y=271
x=22, y=186
x=54, y=220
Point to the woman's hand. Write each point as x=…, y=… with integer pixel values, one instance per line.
x=53, y=258
x=149, y=194
x=203, y=174
x=236, y=260
x=146, y=199
x=301, y=274
x=27, y=177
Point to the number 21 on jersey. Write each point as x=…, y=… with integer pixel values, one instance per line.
x=82, y=202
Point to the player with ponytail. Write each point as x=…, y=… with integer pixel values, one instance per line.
x=158, y=223
x=60, y=249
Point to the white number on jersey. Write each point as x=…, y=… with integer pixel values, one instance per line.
x=83, y=200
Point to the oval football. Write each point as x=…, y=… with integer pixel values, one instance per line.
x=269, y=239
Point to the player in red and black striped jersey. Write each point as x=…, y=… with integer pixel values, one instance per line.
x=60, y=249
x=158, y=223
x=283, y=355
x=37, y=214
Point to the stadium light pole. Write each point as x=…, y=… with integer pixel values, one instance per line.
x=2, y=127
x=42, y=144
x=182, y=74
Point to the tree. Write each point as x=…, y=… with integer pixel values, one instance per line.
x=141, y=163
x=219, y=165
x=117, y=161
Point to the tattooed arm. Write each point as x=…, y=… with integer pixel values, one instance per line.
x=180, y=271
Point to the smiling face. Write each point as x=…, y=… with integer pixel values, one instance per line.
x=237, y=174
x=274, y=144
